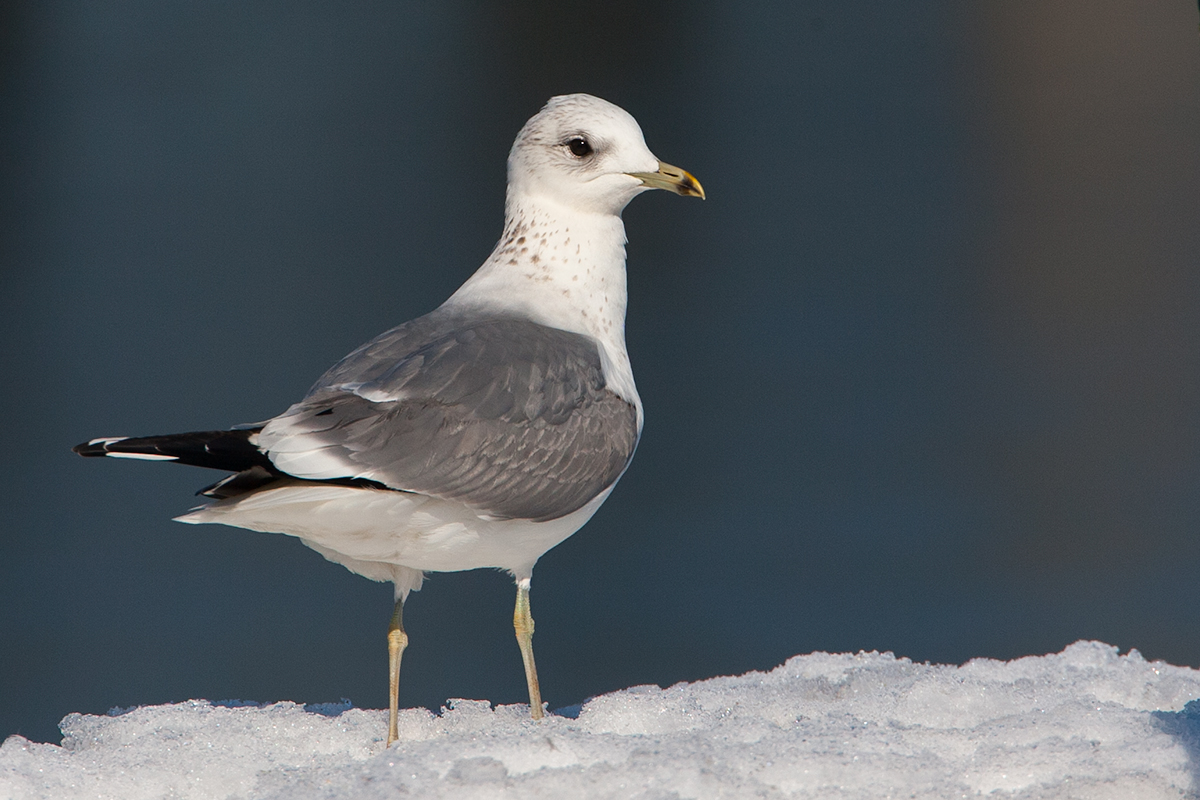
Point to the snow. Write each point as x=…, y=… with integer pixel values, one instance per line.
x=1084, y=723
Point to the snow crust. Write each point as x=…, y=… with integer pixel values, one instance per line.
x=1084, y=723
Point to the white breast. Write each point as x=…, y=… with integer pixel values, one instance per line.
x=562, y=268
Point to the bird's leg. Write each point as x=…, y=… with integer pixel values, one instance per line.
x=523, y=623
x=397, y=641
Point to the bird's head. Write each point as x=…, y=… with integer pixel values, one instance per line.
x=589, y=155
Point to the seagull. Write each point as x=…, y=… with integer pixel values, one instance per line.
x=483, y=433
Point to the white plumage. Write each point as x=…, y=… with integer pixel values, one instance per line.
x=486, y=432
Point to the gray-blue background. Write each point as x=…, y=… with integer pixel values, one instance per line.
x=922, y=375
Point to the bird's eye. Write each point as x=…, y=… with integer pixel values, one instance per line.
x=579, y=146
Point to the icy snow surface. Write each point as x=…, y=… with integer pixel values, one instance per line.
x=1085, y=723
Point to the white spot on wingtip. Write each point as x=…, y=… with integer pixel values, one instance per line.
x=107, y=440
x=143, y=456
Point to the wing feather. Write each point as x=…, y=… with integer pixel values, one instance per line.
x=507, y=416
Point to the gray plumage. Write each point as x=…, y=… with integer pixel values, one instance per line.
x=507, y=416
x=479, y=435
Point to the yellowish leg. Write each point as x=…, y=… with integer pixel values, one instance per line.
x=523, y=623
x=397, y=641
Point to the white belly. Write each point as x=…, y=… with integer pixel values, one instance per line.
x=369, y=531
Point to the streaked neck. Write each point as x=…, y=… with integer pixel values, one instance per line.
x=558, y=267
x=562, y=268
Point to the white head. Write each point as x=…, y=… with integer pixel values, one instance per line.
x=561, y=259
x=589, y=155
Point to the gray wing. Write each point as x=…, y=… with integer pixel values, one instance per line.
x=507, y=416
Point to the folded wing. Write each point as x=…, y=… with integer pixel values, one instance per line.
x=504, y=415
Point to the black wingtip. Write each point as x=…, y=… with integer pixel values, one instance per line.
x=90, y=449
x=228, y=450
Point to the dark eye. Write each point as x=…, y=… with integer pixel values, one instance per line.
x=579, y=146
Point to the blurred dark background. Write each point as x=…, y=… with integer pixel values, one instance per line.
x=922, y=375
